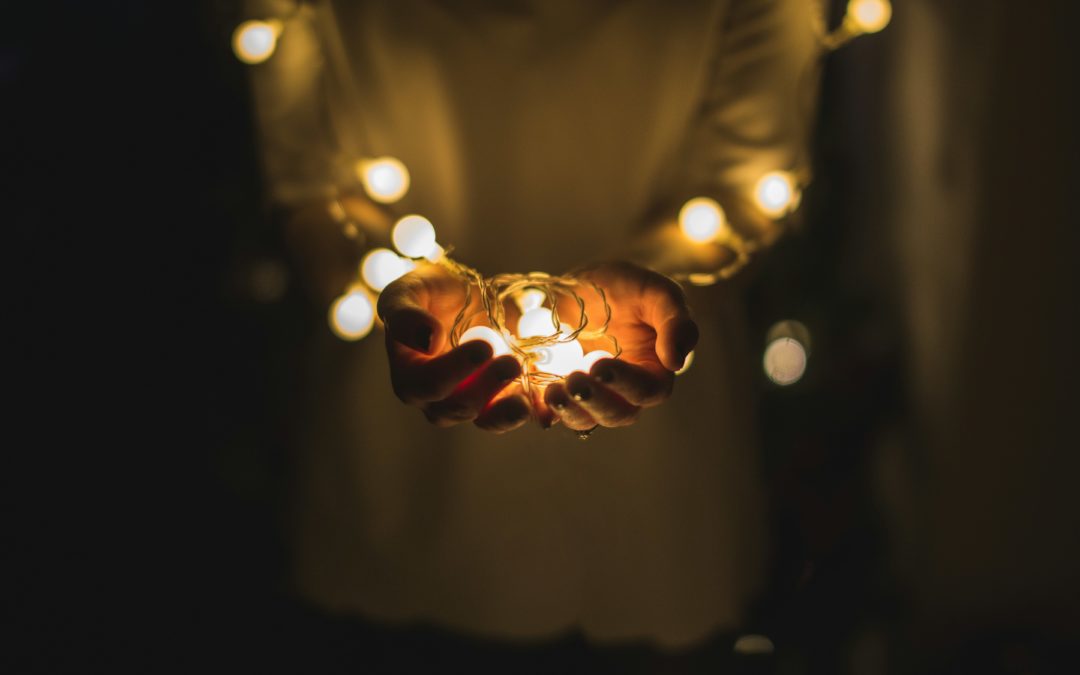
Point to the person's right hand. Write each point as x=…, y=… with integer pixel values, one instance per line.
x=450, y=385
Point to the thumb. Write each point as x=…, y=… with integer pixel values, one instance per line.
x=402, y=307
x=666, y=312
x=675, y=338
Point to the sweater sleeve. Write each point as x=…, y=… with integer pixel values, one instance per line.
x=300, y=157
x=757, y=109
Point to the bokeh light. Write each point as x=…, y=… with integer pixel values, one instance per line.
x=701, y=219
x=385, y=179
x=869, y=16
x=414, y=236
x=352, y=315
x=775, y=193
x=255, y=41
x=381, y=267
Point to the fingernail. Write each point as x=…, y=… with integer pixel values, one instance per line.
x=558, y=402
x=478, y=352
x=605, y=374
x=516, y=415
x=581, y=392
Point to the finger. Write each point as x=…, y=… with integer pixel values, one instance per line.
x=666, y=311
x=640, y=385
x=572, y=415
x=423, y=381
x=603, y=405
x=403, y=307
x=412, y=307
x=545, y=416
x=474, y=393
x=505, y=414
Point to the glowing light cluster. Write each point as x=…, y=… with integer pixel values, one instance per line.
x=385, y=179
x=868, y=16
x=499, y=343
x=702, y=220
x=559, y=358
x=254, y=41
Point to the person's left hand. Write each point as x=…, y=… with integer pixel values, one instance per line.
x=652, y=323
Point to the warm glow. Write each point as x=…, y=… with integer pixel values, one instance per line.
x=385, y=179
x=775, y=193
x=352, y=315
x=686, y=364
x=753, y=644
x=254, y=41
x=560, y=358
x=701, y=219
x=530, y=298
x=536, y=323
x=382, y=266
x=414, y=236
x=785, y=361
x=592, y=357
x=488, y=335
x=869, y=16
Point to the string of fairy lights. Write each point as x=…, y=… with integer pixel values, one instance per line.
x=548, y=348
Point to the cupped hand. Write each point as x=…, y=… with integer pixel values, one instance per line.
x=451, y=385
x=652, y=323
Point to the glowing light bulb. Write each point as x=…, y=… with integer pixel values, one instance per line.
x=561, y=358
x=255, y=41
x=785, y=361
x=536, y=322
x=775, y=193
x=352, y=315
x=382, y=266
x=869, y=16
x=498, y=343
x=530, y=298
x=385, y=179
x=591, y=358
x=701, y=219
x=753, y=644
x=686, y=364
x=414, y=236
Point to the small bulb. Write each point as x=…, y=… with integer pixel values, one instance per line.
x=869, y=16
x=785, y=361
x=488, y=335
x=686, y=364
x=414, y=237
x=775, y=193
x=561, y=358
x=255, y=41
x=385, y=179
x=748, y=645
x=701, y=219
x=591, y=358
x=352, y=315
x=530, y=298
x=536, y=323
x=381, y=267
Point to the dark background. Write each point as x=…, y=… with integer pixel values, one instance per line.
x=923, y=474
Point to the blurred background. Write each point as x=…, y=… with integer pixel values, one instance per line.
x=922, y=474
